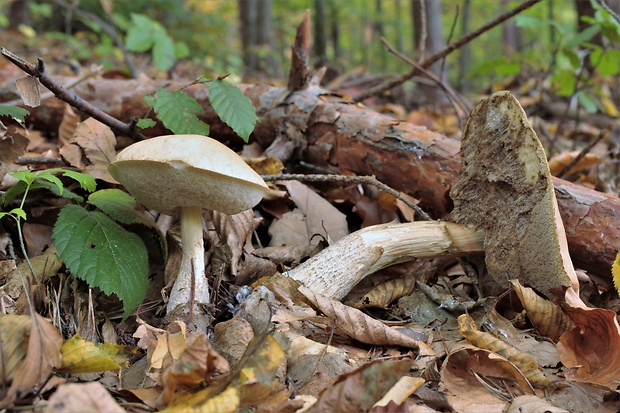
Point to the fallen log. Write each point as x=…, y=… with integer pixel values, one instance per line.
x=317, y=131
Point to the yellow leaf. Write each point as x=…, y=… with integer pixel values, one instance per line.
x=82, y=356
x=615, y=271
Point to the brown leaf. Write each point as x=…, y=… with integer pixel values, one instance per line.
x=97, y=141
x=12, y=146
x=523, y=361
x=198, y=363
x=43, y=355
x=321, y=216
x=592, y=349
x=68, y=124
x=562, y=160
x=362, y=327
x=546, y=317
x=462, y=376
x=384, y=294
x=533, y=404
x=82, y=397
x=29, y=90
x=360, y=389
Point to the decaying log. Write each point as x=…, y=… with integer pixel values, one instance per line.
x=314, y=130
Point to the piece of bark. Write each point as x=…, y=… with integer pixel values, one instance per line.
x=335, y=135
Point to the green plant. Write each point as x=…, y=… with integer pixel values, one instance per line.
x=27, y=181
x=178, y=111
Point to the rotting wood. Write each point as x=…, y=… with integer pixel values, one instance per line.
x=321, y=129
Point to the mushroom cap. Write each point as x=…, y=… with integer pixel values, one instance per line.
x=174, y=171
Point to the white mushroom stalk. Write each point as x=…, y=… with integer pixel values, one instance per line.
x=188, y=173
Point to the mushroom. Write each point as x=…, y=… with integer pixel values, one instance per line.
x=188, y=173
x=505, y=207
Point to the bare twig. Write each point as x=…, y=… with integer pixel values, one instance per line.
x=390, y=84
x=465, y=106
x=583, y=153
x=368, y=180
x=71, y=98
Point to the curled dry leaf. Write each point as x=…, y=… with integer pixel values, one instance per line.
x=474, y=381
x=362, y=327
x=236, y=232
x=524, y=362
x=591, y=350
x=384, y=294
x=546, y=317
x=68, y=124
x=562, y=160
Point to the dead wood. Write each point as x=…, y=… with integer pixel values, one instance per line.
x=312, y=130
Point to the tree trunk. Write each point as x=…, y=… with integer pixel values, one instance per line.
x=248, y=15
x=428, y=39
x=320, y=32
x=465, y=51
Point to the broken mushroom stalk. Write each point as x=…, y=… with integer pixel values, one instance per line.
x=505, y=207
x=188, y=173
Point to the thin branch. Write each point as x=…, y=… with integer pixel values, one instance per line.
x=583, y=153
x=368, y=180
x=38, y=71
x=377, y=90
x=465, y=106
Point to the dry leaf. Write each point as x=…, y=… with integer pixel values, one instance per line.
x=97, y=142
x=198, y=363
x=42, y=356
x=546, y=317
x=82, y=397
x=29, y=90
x=360, y=389
x=464, y=372
x=236, y=232
x=592, y=349
x=12, y=146
x=82, y=356
x=560, y=161
x=362, y=327
x=68, y=124
x=533, y=404
x=321, y=216
x=522, y=361
x=384, y=294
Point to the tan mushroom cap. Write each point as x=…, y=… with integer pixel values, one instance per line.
x=174, y=171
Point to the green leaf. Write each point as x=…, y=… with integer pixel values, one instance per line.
x=119, y=205
x=19, y=212
x=564, y=82
x=146, y=122
x=140, y=34
x=163, y=50
x=17, y=113
x=588, y=101
x=44, y=175
x=86, y=181
x=605, y=61
x=233, y=107
x=99, y=251
x=178, y=112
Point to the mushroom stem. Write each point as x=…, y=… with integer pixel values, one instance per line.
x=192, y=272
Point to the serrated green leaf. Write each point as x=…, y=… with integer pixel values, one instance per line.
x=119, y=205
x=233, y=107
x=99, y=251
x=17, y=113
x=146, y=122
x=605, y=61
x=24, y=176
x=86, y=181
x=178, y=111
